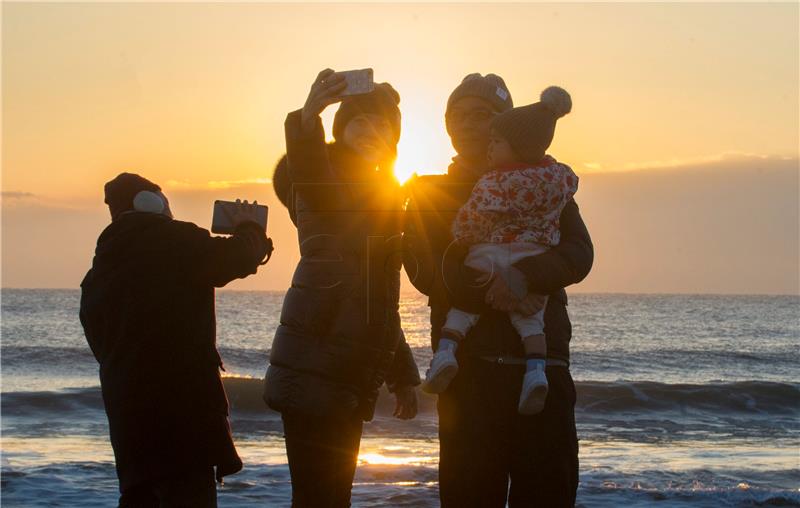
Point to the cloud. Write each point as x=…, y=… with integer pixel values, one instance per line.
x=725, y=226
x=217, y=184
x=17, y=195
x=722, y=161
x=726, y=159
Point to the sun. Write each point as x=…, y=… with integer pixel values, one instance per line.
x=424, y=147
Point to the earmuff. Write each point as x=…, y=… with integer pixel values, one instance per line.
x=147, y=201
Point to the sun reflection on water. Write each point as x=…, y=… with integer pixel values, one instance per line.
x=402, y=452
x=385, y=459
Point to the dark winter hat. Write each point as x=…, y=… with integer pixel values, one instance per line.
x=121, y=191
x=383, y=100
x=490, y=88
x=530, y=129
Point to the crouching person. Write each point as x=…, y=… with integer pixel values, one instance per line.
x=147, y=309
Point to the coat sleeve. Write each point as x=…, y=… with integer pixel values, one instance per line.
x=567, y=263
x=283, y=187
x=418, y=257
x=306, y=152
x=218, y=260
x=403, y=371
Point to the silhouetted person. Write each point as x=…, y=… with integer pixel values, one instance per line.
x=339, y=337
x=147, y=309
x=512, y=214
x=484, y=440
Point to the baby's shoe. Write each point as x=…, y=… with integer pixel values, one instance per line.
x=534, y=392
x=443, y=369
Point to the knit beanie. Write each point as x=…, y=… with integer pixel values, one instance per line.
x=530, y=129
x=382, y=100
x=490, y=88
x=122, y=190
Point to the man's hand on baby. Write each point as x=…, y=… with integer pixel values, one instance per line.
x=500, y=296
x=531, y=304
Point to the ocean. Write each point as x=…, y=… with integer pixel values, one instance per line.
x=683, y=400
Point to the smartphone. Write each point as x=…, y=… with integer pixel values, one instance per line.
x=358, y=82
x=224, y=211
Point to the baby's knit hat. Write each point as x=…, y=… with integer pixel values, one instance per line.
x=530, y=129
x=490, y=88
x=383, y=100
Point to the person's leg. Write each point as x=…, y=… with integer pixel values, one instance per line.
x=475, y=424
x=444, y=366
x=534, y=384
x=347, y=439
x=188, y=489
x=322, y=457
x=457, y=326
x=544, y=464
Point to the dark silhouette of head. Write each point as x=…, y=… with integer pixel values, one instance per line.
x=131, y=192
x=470, y=110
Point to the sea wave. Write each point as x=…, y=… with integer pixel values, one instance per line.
x=244, y=393
x=761, y=397
x=667, y=365
x=93, y=484
x=612, y=495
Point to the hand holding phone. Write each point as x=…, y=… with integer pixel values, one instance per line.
x=358, y=82
x=330, y=87
x=229, y=214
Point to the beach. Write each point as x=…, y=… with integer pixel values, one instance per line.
x=683, y=400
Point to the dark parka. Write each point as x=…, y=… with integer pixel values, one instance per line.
x=339, y=337
x=147, y=309
x=435, y=266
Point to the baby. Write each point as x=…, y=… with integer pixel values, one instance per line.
x=512, y=213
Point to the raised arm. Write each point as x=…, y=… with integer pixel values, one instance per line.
x=305, y=138
x=306, y=153
x=218, y=260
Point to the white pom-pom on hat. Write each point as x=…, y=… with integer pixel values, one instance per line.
x=147, y=201
x=557, y=100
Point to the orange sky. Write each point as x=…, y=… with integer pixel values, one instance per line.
x=194, y=95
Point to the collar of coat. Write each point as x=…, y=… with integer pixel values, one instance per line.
x=463, y=171
x=353, y=167
x=342, y=158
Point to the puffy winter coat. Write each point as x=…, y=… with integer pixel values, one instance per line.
x=339, y=337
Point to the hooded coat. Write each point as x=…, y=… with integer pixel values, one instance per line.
x=339, y=337
x=147, y=309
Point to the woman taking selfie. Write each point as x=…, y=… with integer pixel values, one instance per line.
x=339, y=337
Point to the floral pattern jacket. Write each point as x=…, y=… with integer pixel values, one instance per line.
x=519, y=203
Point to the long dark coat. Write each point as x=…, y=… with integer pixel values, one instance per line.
x=147, y=309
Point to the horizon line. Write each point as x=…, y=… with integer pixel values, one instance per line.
x=414, y=293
